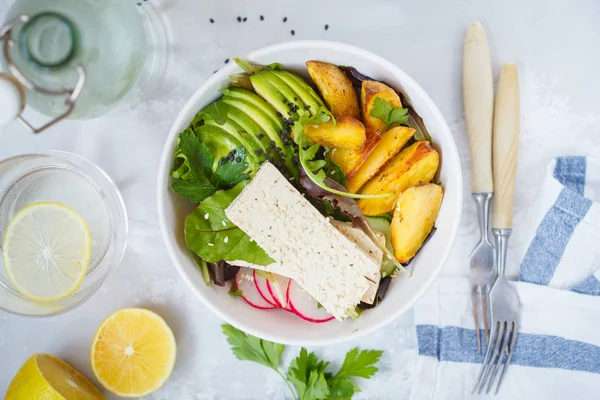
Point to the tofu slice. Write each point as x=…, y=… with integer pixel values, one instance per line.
x=366, y=245
x=322, y=260
x=356, y=236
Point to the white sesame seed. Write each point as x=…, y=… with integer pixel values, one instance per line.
x=206, y=216
x=327, y=219
x=211, y=244
x=224, y=223
x=251, y=240
x=226, y=239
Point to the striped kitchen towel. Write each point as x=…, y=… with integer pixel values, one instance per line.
x=557, y=355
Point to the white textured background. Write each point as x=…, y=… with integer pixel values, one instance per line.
x=556, y=45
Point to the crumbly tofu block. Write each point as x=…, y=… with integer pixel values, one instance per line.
x=321, y=259
x=356, y=236
x=364, y=243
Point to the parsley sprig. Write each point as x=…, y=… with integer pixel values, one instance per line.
x=307, y=376
x=195, y=178
x=384, y=110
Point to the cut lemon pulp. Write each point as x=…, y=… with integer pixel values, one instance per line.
x=46, y=251
x=44, y=376
x=133, y=352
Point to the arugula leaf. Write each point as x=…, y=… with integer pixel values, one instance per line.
x=383, y=110
x=213, y=237
x=230, y=171
x=307, y=374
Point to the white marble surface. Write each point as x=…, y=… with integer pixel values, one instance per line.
x=554, y=43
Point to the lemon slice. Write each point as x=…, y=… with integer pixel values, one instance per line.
x=133, y=352
x=46, y=251
x=44, y=376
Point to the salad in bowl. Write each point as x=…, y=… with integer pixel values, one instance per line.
x=306, y=194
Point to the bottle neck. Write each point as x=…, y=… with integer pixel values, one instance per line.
x=48, y=40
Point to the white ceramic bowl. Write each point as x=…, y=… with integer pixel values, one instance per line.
x=278, y=325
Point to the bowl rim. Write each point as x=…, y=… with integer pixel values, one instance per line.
x=166, y=161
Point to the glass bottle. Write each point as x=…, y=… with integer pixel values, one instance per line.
x=78, y=58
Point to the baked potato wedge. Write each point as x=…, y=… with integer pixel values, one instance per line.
x=416, y=164
x=348, y=133
x=350, y=160
x=414, y=217
x=336, y=89
x=390, y=144
x=371, y=90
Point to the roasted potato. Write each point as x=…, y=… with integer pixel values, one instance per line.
x=348, y=133
x=390, y=144
x=416, y=212
x=413, y=165
x=369, y=92
x=350, y=160
x=336, y=89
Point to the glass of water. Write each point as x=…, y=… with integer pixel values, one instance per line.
x=68, y=180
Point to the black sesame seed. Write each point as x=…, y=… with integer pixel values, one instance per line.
x=245, y=19
x=215, y=71
x=284, y=19
x=296, y=160
x=262, y=18
x=292, y=32
x=307, y=107
x=289, y=113
x=239, y=19
x=212, y=21
x=259, y=152
x=295, y=99
x=223, y=161
x=272, y=144
x=226, y=60
x=284, y=100
x=325, y=169
x=261, y=135
x=326, y=26
x=238, y=159
x=278, y=113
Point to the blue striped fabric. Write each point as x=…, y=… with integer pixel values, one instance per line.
x=590, y=286
x=570, y=171
x=455, y=344
x=552, y=236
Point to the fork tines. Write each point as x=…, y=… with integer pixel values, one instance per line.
x=498, y=355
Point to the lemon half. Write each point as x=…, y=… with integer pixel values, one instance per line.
x=46, y=251
x=133, y=352
x=44, y=376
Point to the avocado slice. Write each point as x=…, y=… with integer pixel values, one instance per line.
x=218, y=141
x=235, y=131
x=258, y=102
x=274, y=97
x=249, y=125
x=263, y=125
x=293, y=101
x=307, y=94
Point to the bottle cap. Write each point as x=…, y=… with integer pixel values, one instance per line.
x=12, y=98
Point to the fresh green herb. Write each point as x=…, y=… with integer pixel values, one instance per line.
x=195, y=179
x=203, y=268
x=213, y=237
x=235, y=292
x=319, y=305
x=383, y=110
x=307, y=373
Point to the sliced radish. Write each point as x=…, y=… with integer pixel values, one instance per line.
x=244, y=281
x=278, y=288
x=261, y=285
x=304, y=305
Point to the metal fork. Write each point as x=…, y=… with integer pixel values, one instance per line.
x=504, y=300
x=478, y=96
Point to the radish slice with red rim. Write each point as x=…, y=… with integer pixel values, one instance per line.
x=304, y=305
x=244, y=281
x=261, y=285
x=278, y=288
